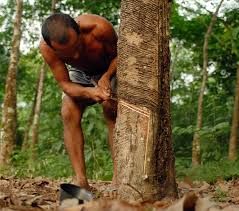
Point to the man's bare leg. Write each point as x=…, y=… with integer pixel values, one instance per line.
x=110, y=113
x=74, y=139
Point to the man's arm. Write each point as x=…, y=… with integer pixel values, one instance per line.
x=104, y=32
x=108, y=36
x=110, y=40
x=61, y=75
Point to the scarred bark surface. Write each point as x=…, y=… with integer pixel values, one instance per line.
x=143, y=142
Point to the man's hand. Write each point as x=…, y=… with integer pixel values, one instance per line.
x=98, y=94
x=104, y=83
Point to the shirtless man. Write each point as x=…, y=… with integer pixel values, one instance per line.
x=81, y=54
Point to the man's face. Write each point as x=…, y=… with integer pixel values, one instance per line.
x=69, y=49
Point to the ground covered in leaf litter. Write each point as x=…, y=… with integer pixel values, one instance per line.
x=43, y=194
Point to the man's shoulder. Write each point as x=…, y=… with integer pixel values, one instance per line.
x=92, y=22
x=91, y=18
x=96, y=25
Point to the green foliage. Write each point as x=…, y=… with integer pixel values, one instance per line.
x=48, y=165
x=107, y=8
x=189, y=31
x=6, y=31
x=98, y=160
x=188, y=35
x=214, y=141
x=220, y=195
x=210, y=172
x=3, y=69
x=52, y=160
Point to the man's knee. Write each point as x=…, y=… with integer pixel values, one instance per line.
x=70, y=113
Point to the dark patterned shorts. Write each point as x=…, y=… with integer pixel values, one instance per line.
x=80, y=77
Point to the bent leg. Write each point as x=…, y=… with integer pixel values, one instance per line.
x=110, y=114
x=73, y=138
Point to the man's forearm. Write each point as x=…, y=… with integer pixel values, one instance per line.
x=112, y=68
x=75, y=90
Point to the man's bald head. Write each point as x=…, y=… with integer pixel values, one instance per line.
x=55, y=28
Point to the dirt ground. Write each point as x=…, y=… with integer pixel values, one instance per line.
x=43, y=194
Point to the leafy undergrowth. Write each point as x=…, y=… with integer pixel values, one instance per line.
x=43, y=194
x=209, y=172
x=57, y=166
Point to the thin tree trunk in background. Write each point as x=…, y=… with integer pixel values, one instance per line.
x=53, y=6
x=174, y=62
x=143, y=136
x=9, y=113
x=28, y=130
x=232, y=155
x=196, y=151
x=25, y=143
x=33, y=136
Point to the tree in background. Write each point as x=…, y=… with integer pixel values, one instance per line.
x=143, y=142
x=196, y=152
x=231, y=40
x=33, y=136
x=232, y=154
x=35, y=120
x=9, y=113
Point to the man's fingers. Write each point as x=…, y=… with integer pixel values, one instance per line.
x=104, y=92
x=107, y=93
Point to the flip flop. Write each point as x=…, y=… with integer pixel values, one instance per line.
x=74, y=195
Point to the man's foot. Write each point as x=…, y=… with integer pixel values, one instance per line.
x=84, y=184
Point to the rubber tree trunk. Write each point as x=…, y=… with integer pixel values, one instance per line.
x=196, y=148
x=9, y=112
x=232, y=155
x=143, y=137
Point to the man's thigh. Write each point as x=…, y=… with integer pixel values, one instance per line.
x=79, y=102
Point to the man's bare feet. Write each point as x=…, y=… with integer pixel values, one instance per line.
x=82, y=182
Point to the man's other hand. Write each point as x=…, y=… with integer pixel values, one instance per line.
x=104, y=83
x=98, y=94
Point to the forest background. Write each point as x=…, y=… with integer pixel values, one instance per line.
x=41, y=152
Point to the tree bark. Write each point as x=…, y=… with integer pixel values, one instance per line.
x=143, y=136
x=53, y=6
x=9, y=113
x=25, y=143
x=232, y=155
x=196, y=151
x=33, y=136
